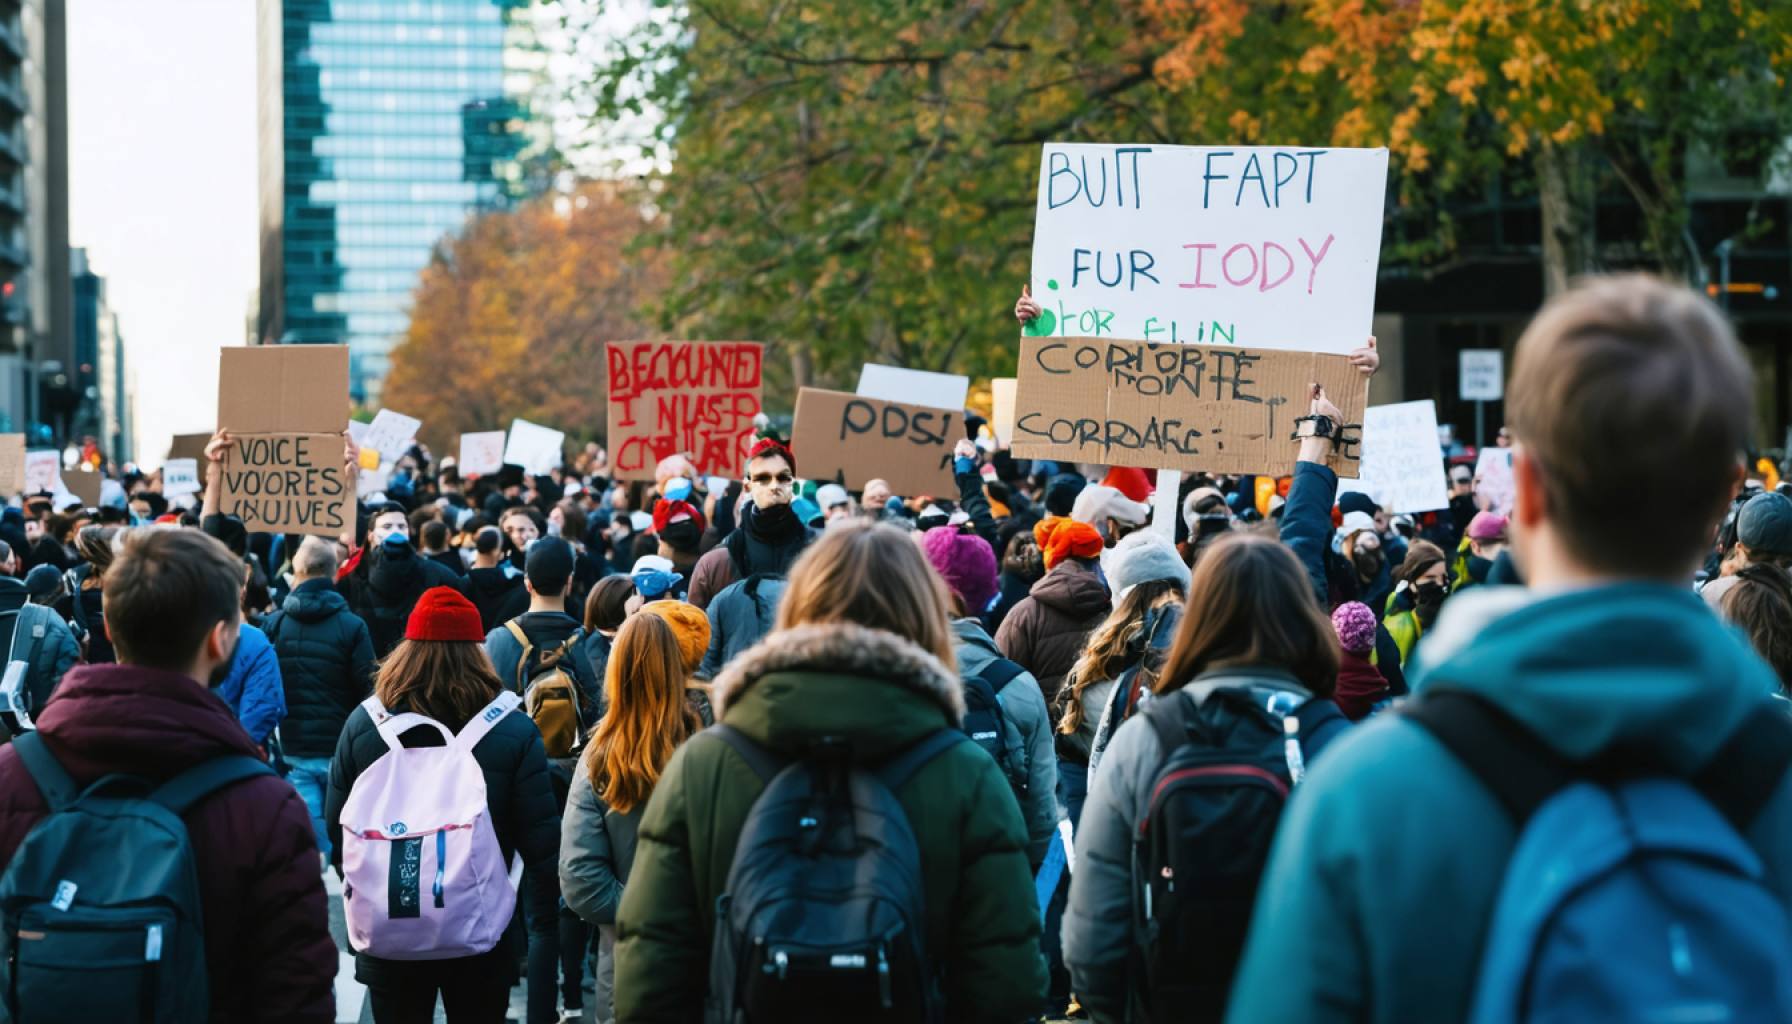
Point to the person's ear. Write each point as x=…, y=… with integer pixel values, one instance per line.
x=214, y=641
x=1530, y=504
x=529, y=586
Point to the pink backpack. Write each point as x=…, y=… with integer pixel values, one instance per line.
x=424, y=878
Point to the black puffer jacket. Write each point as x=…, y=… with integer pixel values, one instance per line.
x=385, y=586
x=326, y=664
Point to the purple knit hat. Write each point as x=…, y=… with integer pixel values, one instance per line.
x=967, y=563
x=1355, y=624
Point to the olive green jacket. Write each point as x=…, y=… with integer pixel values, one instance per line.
x=880, y=693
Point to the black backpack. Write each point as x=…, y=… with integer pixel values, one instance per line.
x=985, y=724
x=26, y=628
x=86, y=941
x=1227, y=767
x=823, y=918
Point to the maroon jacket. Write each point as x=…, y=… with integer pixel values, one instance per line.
x=268, y=951
x=1360, y=686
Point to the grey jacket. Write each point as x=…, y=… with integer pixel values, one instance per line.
x=597, y=847
x=1098, y=927
x=739, y=617
x=1028, y=735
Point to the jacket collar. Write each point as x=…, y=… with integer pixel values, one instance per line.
x=842, y=648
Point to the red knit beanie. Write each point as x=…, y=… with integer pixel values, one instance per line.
x=443, y=614
x=1060, y=538
x=766, y=447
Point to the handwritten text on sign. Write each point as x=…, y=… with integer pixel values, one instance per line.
x=851, y=439
x=288, y=483
x=694, y=397
x=1189, y=407
x=1267, y=247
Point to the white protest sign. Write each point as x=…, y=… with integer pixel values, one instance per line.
x=180, y=476
x=1493, y=479
x=536, y=448
x=43, y=472
x=1403, y=468
x=1001, y=416
x=390, y=434
x=1258, y=246
x=914, y=387
x=1482, y=374
x=481, y=453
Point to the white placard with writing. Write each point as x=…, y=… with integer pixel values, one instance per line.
x=1483, y=374
x=1493, y=480
x=390, y=434
x=914, y=387
x=536, y=448
x=1259, y=246
x=1403, y=468
x=43, y=472
x=180, y=476
x=481, y=453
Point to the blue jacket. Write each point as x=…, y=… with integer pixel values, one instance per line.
x=1390, y=856
x=253, y=688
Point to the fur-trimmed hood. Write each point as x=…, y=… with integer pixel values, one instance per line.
x=842, y=649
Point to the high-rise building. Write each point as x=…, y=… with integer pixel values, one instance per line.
x=384, y=125
x=99, y=372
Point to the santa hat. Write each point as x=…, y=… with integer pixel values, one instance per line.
x=1131, y=481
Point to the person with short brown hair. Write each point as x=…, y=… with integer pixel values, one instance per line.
x=1630, y=406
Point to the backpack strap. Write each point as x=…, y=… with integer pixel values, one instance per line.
x=375, y=710
x=203, y=779
x=1169, y=718
x=52, y=779
x=1520, y=770
x=474, y=731
x=1320, y=723
x=522, y=661
x=1749, y=768
x=764, y=763
x=1000, y=673
x=899, y=769
x=395, y=726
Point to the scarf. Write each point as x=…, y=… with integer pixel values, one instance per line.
x=766, y=542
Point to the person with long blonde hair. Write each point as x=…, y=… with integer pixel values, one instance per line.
x=860, y=670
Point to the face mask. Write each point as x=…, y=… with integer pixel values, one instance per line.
x=396, y=544
x=1430, y=595
x=678, y=488
x=1368, y=563
x=1478, y=568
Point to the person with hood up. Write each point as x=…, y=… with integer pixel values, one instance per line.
x=863, y=654
x=384, y=580
x=1046, y=630
x=770, y=535
x=1361, y=686
x=1606, y=652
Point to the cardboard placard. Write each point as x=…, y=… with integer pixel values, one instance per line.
x=391, y=434
x=180, y=476
x=698, y=398
x=43, y=472
x=916, y=387
x=851, y=439
x=538, y=449
x=283, y=389
x=85, y=485
x=481, y=453
x=12, y=464
x=1001, y=417
x=1403, y=467
x=288, y=483
x=1258, y=246
x=1188, y=407
x=189, y=446
x=1493, y=480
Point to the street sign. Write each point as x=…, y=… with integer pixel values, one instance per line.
x=1483, y=374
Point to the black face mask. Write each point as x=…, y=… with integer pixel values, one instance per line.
x=1368, y=563
x=1479, y=567
x=1428, y=597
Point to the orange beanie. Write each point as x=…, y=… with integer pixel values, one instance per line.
x=1060, y=538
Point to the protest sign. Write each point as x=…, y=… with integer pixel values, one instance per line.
x=1185, y=407
x=1494, y=488
x=43, y=472
x=481, y=453
x=1001, y=417
x=277, y=389
x=1402, y=467
x=692, y=397
x=180, y=476
x=916, y=387
x=850, y=439
x=538, y=449
x=390, y=434
x=285, y=406
x=85, y=485
x=1258, y=246
x=12, y=464
x=189, y=446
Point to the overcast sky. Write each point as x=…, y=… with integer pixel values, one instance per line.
x=162, y=190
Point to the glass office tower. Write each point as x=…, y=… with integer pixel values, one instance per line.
x=384, y=125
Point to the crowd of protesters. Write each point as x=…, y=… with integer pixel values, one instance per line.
x=759, y=747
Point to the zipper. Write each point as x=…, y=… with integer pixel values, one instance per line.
x=781, y=960
x=1242, y=772
x=441, y=855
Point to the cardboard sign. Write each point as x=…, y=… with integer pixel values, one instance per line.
x=481, y=453
x=917, y=387
x=1494, y=486
x=12, y=464
x=1257, y=246
x=43, y=472
x=851, y=439
x=283, y=389
x=180, y=476
x=694, y=397
x=1001, y=417
x=85, y=485
x=1482, y=374
x=538, y=449
x=390, y=434
x=288, y=483
x=189, y=446
x=1187, y=407
x=1402, y=468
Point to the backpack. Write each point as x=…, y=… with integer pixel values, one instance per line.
x=550, y=694
x=1226, y=768
x=26, y=694
x=823, y=917
x=1621, y=856
x=423, y=874
x=84, y=940
x=985, y=724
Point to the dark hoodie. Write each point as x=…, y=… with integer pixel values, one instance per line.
x=326, y=665
x=385, y=586
x=268, y=952
x=1044, y=634
x=490, y=591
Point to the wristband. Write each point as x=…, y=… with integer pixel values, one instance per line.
x=1316, y=426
